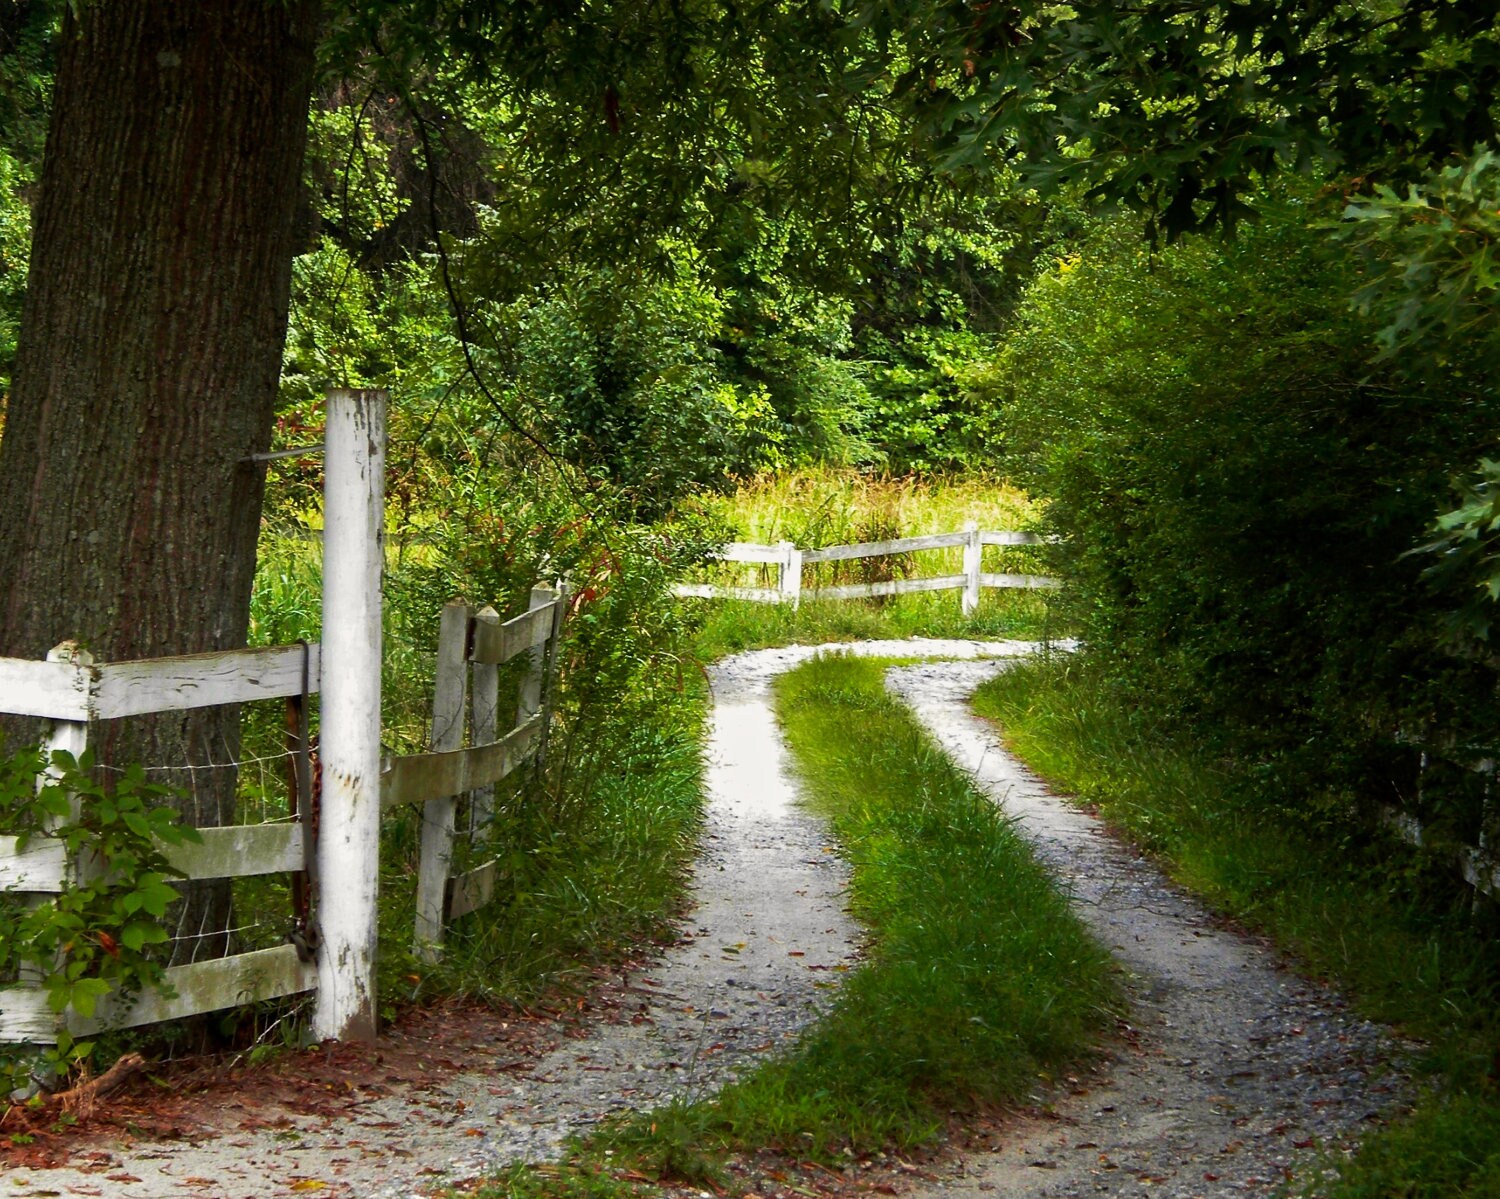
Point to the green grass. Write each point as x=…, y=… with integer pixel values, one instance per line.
x=979, y=987
x=606, y=854
x=1356, y=911
x=729, y=626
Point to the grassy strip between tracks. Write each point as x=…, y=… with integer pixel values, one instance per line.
x=979, y=984
x=1362, y=913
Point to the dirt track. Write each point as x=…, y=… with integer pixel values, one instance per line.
x=1241, y=1069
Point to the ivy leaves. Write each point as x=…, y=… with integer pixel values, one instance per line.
x=94, y=937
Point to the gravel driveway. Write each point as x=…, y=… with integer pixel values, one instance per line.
x=1238, y=1071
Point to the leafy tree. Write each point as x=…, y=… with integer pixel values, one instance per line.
x=1182, y=110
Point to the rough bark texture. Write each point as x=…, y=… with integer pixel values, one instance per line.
x=151, y=344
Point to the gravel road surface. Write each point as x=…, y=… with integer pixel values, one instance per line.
x=1236, y=1073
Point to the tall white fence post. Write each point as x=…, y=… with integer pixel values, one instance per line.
x=349, y=820
x=791, y=573
x=973, y=557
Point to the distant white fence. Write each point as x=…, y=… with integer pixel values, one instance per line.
x=1479, y=866
x=328, y=839
x=791, y=562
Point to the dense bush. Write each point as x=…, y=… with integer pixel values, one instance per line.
x=1236, y=481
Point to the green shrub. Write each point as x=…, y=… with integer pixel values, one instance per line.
x=1235, y=484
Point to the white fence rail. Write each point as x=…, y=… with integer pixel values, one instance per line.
x=332, y=854
x=1478, y=865
x=792, y=561
x=79, y=691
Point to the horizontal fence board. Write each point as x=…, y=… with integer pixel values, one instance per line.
x=50, y=690
x=886, y=587
x=25, y=1017
x=1031, y=582
x=241, y=850
x=417, y=778
x=499, y=643
x=764, y=595
x=1009, y=538
x=1479, y=869
x=204, y=680
x=200, y=987
x=747, y=551
x=470, y=892
x=872, y=549
x=207, y=987
x=41, y=866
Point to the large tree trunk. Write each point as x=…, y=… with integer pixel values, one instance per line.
x=151, y=345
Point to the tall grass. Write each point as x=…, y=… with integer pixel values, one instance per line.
x=826, y=506
x=579, y=884
x=1405, y=947
x=823, y=506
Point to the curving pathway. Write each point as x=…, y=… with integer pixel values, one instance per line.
x=1241, y=1067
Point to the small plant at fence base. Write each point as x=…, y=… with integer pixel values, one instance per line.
x=95, y=936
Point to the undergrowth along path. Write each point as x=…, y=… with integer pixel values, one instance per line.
x=1237, y=1075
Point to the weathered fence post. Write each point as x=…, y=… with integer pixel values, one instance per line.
x=484, y=720
x=70, y=736
x=791, y=573
x=553, y=657
x=973, y=557
x=450, y=687
x=529, y=702
x=349, y=821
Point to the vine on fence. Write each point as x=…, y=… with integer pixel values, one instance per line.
x=93, y=937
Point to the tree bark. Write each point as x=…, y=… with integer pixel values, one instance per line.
x=151, y=346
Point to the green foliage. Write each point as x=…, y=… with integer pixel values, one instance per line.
x=1432, y=252
x=26, y=31
x=1463, y=559
x=1235, y=485
x=1183, y=113
x=15, y=246
x=95, y=937
x=629, y=384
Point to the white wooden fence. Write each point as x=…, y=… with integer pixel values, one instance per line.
x=71, y=691
x=791, y=561
x=335, y=851
x=476, y=643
